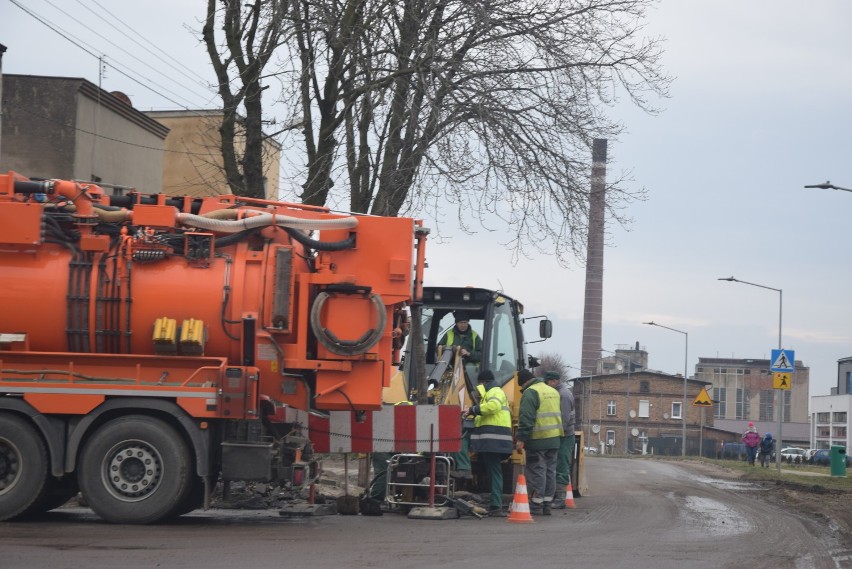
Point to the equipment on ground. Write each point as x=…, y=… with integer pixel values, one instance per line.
x=152, y=345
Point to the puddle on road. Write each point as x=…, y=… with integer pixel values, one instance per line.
x=712, y=518
x=727, y=484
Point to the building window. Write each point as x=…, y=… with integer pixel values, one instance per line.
x=839, y=432
x=740, y=404
x=644, y=387
x=610, y=408
x=677, y=409
x=644, y=408
x=767, y=404
x=720, y=394
x=788, y=403
x=823, y=417
x=824, y=432
x=610, y=438
x=839, y=417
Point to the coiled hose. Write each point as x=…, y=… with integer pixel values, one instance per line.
x=348, y=347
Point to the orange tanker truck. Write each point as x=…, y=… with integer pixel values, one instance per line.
x=152, y=345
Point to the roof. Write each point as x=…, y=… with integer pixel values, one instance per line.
x=105, y=99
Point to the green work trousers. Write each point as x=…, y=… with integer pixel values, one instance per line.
x=379, y=460
x=563, y=460
x=462, y=458
x=494, y=471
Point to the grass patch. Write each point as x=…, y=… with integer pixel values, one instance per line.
x=796, y=474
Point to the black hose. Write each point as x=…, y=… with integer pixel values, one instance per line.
x=234, y=237
x=347, y=243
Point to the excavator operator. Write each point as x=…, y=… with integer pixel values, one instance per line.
x=465, y=337
x=470, y=349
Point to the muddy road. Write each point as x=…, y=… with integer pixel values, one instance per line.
x=637, y=513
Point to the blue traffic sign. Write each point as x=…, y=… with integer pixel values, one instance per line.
x=782, y=361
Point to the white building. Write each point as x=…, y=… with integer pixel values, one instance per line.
x=830, y=416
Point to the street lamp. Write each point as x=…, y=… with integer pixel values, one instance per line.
x=826, y=186
x=630, y=365
x=685, y=375
x=780, y=399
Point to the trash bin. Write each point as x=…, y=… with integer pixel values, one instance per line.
x=838, y=460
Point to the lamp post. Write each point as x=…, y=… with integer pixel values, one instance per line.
x=825, y=186
x=685, y=375
x=780, y=399
x=630, y=365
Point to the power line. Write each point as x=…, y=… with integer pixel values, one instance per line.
x=201, y=80
x=110, y=42
x=204, y=84
x=111, y=139
x=53, y=27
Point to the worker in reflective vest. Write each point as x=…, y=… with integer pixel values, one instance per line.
x=566, y=443
x=492, y=435
x=539, y=436
x=465, y=337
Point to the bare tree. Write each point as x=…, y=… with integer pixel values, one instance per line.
x=250, y=35
x=488, y=106
x=552, y=362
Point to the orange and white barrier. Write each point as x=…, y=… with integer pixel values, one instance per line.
x=397, y=429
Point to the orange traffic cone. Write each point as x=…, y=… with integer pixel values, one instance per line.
x=519, y=512
x=569, y=497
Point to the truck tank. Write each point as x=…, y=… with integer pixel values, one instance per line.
x=196, y=326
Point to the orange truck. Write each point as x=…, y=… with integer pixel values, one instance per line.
x=153, y=345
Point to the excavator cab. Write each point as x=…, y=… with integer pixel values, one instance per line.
x=497, y=322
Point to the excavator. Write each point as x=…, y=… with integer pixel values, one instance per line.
x=440, y=377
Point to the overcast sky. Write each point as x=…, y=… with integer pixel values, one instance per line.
x=760, y=107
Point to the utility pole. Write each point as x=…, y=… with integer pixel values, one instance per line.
x=2, y=51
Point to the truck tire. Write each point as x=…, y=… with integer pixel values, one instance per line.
x=23, y=467
x=135, y=470
x=193, y=500
x=58, y=492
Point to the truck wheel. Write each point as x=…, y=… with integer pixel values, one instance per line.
x=135, y=470
x=194, y=498
x=58, y=492
x=23, y=467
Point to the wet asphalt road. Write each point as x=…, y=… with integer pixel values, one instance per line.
x=637, y=513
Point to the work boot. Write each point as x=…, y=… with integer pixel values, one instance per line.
x=559, y=500
x=536, y=508
x=496, y=513
x=545, y=509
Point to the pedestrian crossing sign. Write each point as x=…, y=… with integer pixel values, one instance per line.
x=782, y=360
x=703, y=399
x=782, y=380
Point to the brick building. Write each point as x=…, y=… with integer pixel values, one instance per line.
x=643, y=411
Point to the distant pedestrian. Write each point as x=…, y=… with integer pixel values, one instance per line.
x=751, y=438
x=767, y=446
x=539, y=433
